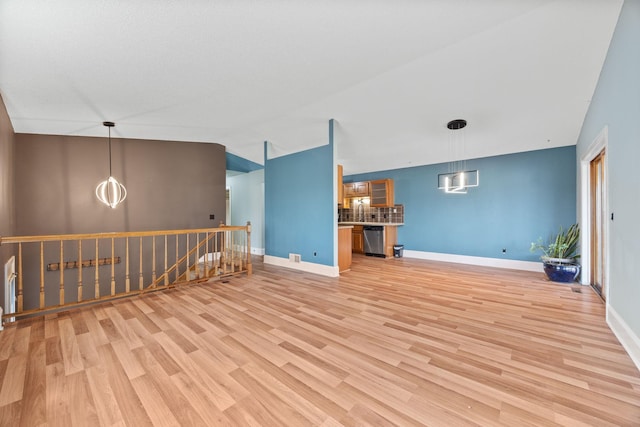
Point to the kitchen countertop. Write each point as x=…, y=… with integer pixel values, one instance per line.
x=395, y=224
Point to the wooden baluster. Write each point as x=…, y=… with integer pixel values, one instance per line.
x=166, y=275
x=113, y=267
x=197, y=262
x=41, y=274
x=153, y=265
x=177, y=266
x=141, y=277
x=206, y=255
x=216, y=256
x=241, y=244
x=127, y=280
x=97, y=274
x=233, y=251
x=20, y=283
x=219, y=243
x=223, y=250
x=188, y=272
x=249, y=267
x=62, y=272
x=79, y=270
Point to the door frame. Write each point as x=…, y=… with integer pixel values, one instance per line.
x=600, y=143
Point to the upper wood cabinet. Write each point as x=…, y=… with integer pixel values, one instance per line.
x=340, y=186
x=382, y=193
x=357, y=189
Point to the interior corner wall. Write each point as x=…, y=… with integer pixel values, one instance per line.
x=7, y=193
x=616, y=104
x=521, y=197
x=247, y=204
x=170, y=185
x=299, y=206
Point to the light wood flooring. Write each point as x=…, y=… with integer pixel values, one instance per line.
x=391, y=342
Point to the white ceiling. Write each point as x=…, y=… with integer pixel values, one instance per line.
x=391, y=73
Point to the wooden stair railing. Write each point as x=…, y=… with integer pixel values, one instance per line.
x=200, y=255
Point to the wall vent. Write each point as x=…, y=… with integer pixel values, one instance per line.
x=294, y=257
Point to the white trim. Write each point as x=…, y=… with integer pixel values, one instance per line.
x=600, y=143
x=309, y=267
x=474, y=260
x=629, y=340
x=257, y=251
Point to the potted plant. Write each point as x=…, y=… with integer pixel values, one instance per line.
x=560, y=254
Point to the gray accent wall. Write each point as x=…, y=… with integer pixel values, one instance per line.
x=7, y=211
x=170, y=185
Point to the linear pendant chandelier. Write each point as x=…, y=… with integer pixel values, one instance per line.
x=110, y=191
x=457, y=180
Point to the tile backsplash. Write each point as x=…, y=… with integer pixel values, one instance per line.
x=371, y=214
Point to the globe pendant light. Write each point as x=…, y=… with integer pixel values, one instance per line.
x=110, y=191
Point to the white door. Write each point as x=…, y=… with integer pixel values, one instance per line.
x=10, y=287
x=598, y=224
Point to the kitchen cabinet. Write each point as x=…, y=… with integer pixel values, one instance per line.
x=357, y=189
x=390, y=240
x=382, y=193
x=344, y=247
x=357, y=239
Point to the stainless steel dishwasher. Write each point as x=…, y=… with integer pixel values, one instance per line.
x=373, y=240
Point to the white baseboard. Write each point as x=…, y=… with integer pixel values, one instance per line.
x=309, y=267
x=629, y=340
x=257, y=251
x=474, y=260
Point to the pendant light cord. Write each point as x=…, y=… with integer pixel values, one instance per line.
x=110, y=152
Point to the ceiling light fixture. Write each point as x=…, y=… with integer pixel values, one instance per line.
x=110, y=191
x=457, y=179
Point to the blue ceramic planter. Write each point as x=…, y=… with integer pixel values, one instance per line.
x=565, y=273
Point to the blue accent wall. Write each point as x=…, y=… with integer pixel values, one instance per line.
x=616, y=104
x=521, y=197
x=299, y=205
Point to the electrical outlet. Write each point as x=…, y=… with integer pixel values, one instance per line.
x=504, y=251
x=294, y=257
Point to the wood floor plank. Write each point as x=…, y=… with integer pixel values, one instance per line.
x=82, y=405
x=175, y=401
x=58, y=406
x=199, y=399
x=33, y=410
x=192, y=373
x=70, y=351
x=390, y=342
x=277, y=408
x=13, y=381
x=21, y=339
x=124, y=393
x=153, y=403
x=107, y=408
x=6, y=341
